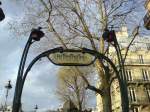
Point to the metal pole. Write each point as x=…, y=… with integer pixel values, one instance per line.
x=17, y=101
x=6, y=98
x=110, y=36
x=36, y=34
x=8, y=87
x=36, y=108
x=123, y=87
x=122, y=83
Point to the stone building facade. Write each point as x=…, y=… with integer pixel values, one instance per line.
x=137, y=71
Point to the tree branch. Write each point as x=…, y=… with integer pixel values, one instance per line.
x=85, y=27
x=136, y=32
x=50, y=25
x=95, y=89
x=117, y=7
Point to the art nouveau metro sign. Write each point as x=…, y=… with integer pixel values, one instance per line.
x=72, y=58
x=69, y=57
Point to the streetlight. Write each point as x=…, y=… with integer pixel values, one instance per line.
x=35, y=35
x=2, y=15
x=8, y=87
x=110, y=37
x=36, y=108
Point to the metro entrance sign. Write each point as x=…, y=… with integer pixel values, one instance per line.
x=71, y=58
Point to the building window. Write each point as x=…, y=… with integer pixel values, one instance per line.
x=132, y=94
x=141, y=59
x=148, y=46
x=148, y=92
x=145, y=74
x=128, y=75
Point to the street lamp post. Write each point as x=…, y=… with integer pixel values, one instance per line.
x=36, y=108
x=35, y=35
x=110, y=37
x=8, y=87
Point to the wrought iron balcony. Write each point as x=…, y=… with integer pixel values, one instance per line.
x=139, y=102
x=147, y=20
x=138, y=81
x=137, y=61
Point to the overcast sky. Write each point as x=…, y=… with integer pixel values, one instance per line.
x=41, y=81
x=40, y=85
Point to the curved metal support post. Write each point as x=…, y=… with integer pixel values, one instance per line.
x=92, y=52
x=16, y=101
x=19, y=88
x=36, y=34
x=44, y=54
x=123, y=88
x=123, y=77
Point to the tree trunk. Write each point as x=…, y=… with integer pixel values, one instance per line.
x=106, y=101
x=105, y=87
x=80, y=107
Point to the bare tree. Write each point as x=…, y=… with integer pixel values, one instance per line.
x=71, y=87
x=80, y=23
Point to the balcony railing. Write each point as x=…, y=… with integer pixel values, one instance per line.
x=140, y=102
x=147, y=20
x=138, y=81
x=137, y=61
